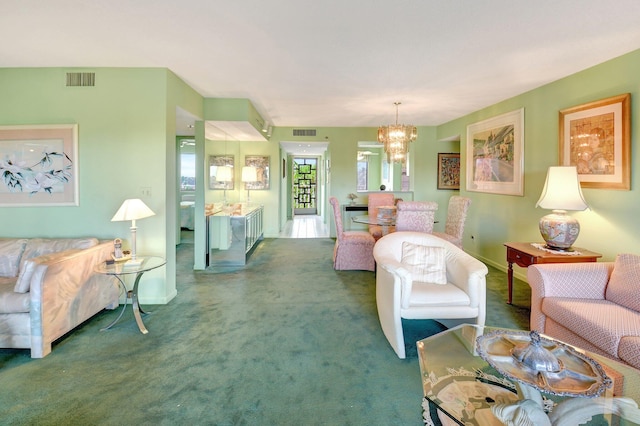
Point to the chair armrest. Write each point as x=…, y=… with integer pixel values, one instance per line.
x=584, y=280
x=467, y=273
x=401, y=277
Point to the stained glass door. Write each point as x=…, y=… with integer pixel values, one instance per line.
x=305, y=185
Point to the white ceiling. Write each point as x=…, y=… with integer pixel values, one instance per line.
x=313, y=63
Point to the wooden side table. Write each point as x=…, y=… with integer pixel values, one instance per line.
x=524, y=254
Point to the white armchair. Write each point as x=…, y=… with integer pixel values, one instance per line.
x=462, y=295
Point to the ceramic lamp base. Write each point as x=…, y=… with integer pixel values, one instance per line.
x=559, y=230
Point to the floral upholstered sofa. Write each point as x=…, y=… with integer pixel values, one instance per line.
x=48, y=287
x=593, y=305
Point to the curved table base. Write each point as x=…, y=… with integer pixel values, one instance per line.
x=135, y=305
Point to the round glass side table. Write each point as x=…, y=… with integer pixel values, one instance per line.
x=120, y=270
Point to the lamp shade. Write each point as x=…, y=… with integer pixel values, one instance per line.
x=562, y=190
x=132, y=209
x=249, y=174
x=224, y=174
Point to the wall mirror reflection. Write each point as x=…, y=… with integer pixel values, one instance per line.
x=375, y=173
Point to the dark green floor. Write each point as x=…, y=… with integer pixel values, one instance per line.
x=284, y=341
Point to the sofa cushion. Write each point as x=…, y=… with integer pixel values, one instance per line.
x=10, y=301
x=37, y=247
x=11, y=251
x=624, y=284
x=601, y=322
x=425, y=263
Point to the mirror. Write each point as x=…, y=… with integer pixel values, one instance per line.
x=374, y=171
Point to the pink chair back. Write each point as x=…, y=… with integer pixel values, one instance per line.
x=377, y=200
x=337, y=216
x=416, y=216
x=456, y=216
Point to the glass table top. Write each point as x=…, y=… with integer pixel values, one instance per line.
x=458, y=384
x=121, y=268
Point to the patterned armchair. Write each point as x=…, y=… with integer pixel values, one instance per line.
x=353, y=249
x=416, y=216
x=456, y=218
x=592, y=305
x=376, y=200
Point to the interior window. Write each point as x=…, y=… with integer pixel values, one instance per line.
x=187, y=172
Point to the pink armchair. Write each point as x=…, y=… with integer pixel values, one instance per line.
x=588, y=305
x=353, y=249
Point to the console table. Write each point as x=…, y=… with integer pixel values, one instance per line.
x=525, y=255
x=234, y=233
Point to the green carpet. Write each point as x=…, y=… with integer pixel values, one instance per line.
x=285, y=340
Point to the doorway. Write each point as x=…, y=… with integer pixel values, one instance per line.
x=305, y=186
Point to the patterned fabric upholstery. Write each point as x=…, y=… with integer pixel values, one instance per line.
x=568, y=303
x=624, y=287
x=353, y=249
x=416, y=216
x=456, y=218
x=375, y=201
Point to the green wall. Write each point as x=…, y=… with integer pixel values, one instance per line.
x=609, y=226
x=123, y=125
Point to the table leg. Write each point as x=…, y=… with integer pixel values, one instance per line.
x=510, y=281
x=136, y=305
x=124, y=287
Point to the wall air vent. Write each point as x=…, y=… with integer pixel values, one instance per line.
x=304, y=132
x=81, y=79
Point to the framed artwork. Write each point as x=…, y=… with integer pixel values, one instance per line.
x=261, y=163
x=595, y=137
x=448, y=170
x=221, y=172
x=39, y=165
x=495, y=149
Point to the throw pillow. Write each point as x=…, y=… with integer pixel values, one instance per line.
x=425, y=263
x=10, y=254
x=624, y=284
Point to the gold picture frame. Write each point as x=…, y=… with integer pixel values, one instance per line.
x=449, y=170
x=596, y=138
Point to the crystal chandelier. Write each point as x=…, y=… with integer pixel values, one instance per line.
x=396, y=138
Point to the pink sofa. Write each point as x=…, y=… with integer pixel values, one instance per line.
x=594, y=305
x=48, y=287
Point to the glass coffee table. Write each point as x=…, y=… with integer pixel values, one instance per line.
x=460, y=387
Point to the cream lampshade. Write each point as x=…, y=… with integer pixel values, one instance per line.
x=249, y=175
x=224, y=174
x=132, y=209
x=561, y=192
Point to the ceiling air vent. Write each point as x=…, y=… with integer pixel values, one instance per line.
x=81, y=79
x=304, y=132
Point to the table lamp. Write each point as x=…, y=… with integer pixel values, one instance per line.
x=561, y=192
x=132, y=209
x=224, y=174
x=249, y=175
